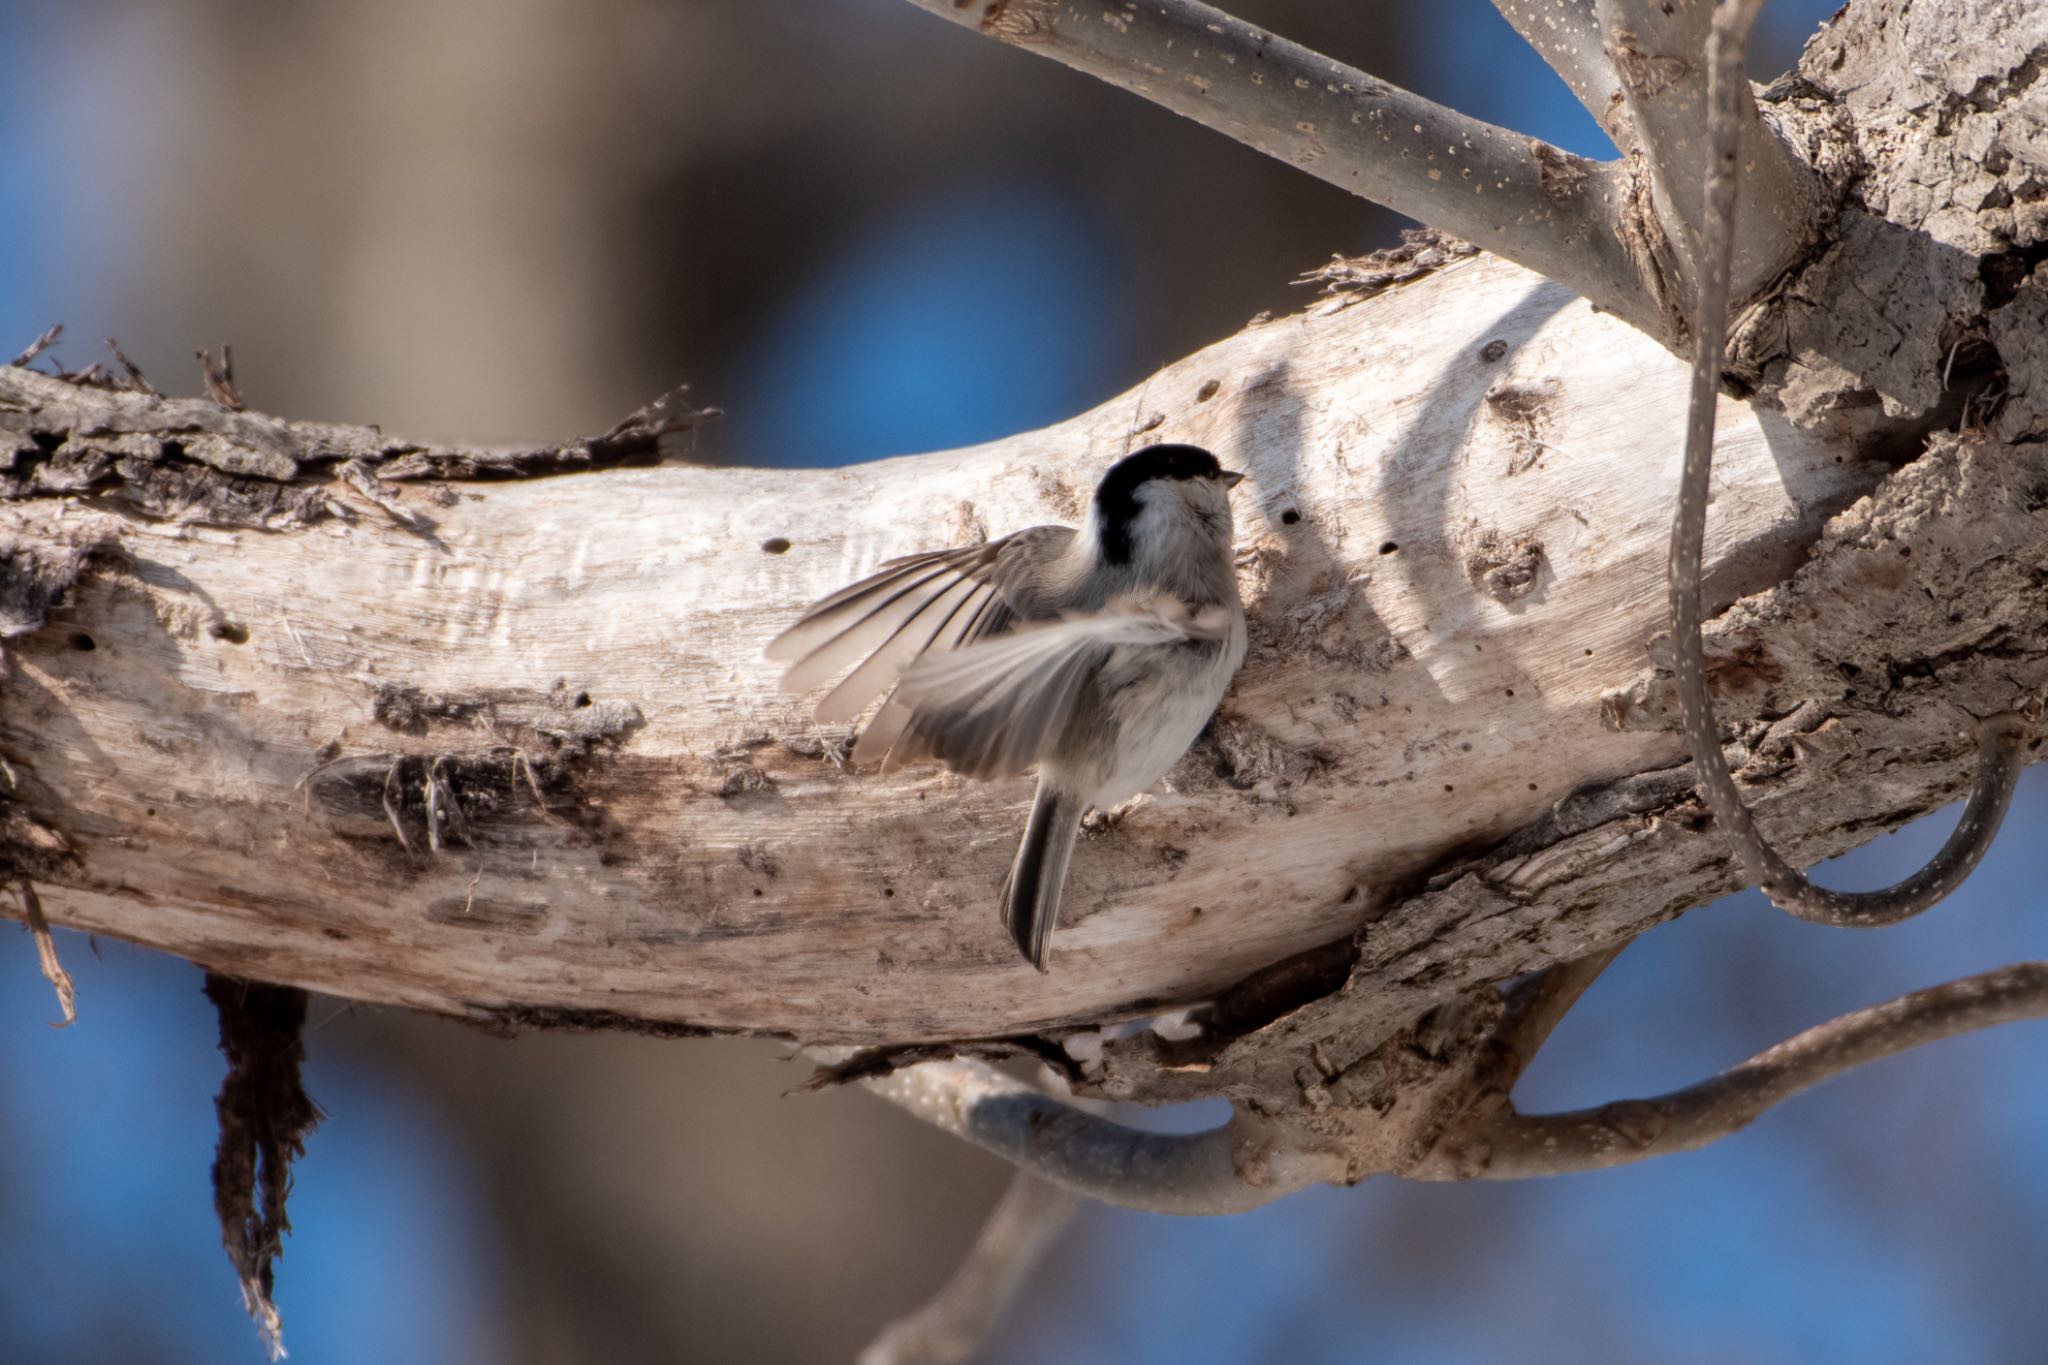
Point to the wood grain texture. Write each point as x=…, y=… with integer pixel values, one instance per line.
x=1451, y=553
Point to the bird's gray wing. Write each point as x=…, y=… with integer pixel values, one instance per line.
x=919, y=604
x=994, y=708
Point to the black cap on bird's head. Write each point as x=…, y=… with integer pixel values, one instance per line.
x=1116, y=497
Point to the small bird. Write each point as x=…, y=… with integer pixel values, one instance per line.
x=1096, y=655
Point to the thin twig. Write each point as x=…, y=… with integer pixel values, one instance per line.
x=953, y=1324
x=1520, y=197
x=38, y=346
x=46, y=954
x=136, y=379
x=218, y=373
x=2002, y=737
x=1512, y=1146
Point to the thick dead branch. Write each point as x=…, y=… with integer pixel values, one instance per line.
x=954, y=1324
x=2003, y=736
x=1547, y=209
x=315, y=704
x=312, y=704
x=1512, y=1146
x=565, y=673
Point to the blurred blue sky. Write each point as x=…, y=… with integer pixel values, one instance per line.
x=109, y=1236
x=1897, y=1215
x=958, y=317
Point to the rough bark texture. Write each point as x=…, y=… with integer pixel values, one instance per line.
x=517, y=751
x=308, y=704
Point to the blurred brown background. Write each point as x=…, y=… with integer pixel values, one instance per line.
x=509, y=217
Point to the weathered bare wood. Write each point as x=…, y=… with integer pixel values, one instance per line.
x=1999, y=761
x=1447, y=578
x=1852, y=690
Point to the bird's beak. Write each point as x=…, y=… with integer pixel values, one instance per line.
x=1231, y=478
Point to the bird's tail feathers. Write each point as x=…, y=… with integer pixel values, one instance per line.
x=1031, y=898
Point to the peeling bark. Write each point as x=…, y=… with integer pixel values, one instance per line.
x=265, y=1116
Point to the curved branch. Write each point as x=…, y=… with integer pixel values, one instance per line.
x=1538, y=1005
x=1230, y=1169
x=1655, y=51
x=1512, y=1146
x=2003, y=736
x=1512, y=194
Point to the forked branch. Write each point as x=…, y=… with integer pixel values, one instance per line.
x=1249, y=1162
x=1537, y=1006
x=1512, y=1146
x=2002, y=737
x=1634, y=65
x=1656, y=50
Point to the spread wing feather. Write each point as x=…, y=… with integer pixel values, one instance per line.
x=996, y=707
x=919, y=604
x=919, y=632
